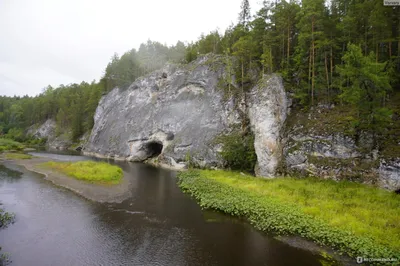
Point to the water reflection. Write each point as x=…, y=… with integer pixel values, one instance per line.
x=9, y=174
x=158, y=225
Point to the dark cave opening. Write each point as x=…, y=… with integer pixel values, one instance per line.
x=153, y=148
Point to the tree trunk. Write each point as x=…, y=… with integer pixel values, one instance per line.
x=309, y=71
x=242, y=76
x=390, y=49
x=313, y=62
x=288, y=45
x=331, y=64
x=327, y=74
x=398, y=48
x=271, y=61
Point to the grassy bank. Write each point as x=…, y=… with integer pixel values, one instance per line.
x=8, y=144
x=353, y=218
x=95, y=172
x=17, y=156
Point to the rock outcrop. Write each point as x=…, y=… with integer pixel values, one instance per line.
x=267, y=113
x=316, y=144
x=389, y=174
x=176, y=114
x=47, y=130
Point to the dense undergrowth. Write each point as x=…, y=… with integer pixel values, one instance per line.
x=95, y=172
x=355, y=219
x=8, y=144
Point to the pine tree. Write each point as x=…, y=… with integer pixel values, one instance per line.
x=244, y=15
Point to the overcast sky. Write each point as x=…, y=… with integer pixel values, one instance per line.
x=67, y=41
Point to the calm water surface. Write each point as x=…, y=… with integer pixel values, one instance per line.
x=157, y=225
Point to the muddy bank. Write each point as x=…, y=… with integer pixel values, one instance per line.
x=96, y=192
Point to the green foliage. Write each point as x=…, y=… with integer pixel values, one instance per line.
x=355, y=219
x=189, y=160
x=238, y=151
x=8, y=144
x=94, y=172
x=122, y=71
x=6, y=218
x=365, y=84
x=244, y=15
x=18, y=156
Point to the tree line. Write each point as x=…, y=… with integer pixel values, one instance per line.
x=344, y=52
x=331, y=52
x=73, y=106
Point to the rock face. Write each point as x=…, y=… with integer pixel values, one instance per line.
x=267, y=113
x=48, y=130
x=174, y=116
x=389, y=174
x=177, y=112
x=317, y=149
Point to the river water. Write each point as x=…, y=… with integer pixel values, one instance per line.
x=157, y=225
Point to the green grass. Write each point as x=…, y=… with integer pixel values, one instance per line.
x=18, y=156
x=353, y=218
x=94, y=172
x=8, y=144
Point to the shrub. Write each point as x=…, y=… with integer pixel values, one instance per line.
x=238, y=151
x=8, y=144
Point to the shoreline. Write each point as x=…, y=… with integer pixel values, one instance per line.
x=288, y=221
x=122, y=159
x=95, y=192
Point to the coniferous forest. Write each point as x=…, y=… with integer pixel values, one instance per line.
x=341, y=52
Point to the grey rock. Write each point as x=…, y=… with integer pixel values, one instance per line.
x=184, y=116
x=267, y=113
x=389, y=174
x=48, y=130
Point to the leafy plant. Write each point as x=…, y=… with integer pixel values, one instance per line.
x=238, y=151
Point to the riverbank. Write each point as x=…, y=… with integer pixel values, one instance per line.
x=354, y=219
x=92, y=191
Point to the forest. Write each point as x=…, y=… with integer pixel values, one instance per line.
x=340, y=52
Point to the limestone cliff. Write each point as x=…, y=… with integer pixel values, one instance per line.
x=174, y=115
x=47, y=130
x=177, y=112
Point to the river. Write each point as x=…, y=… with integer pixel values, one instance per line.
x=157, y=225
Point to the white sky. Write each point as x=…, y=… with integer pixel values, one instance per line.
x=57, y=42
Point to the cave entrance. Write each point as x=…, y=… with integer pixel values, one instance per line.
x=153, y=149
